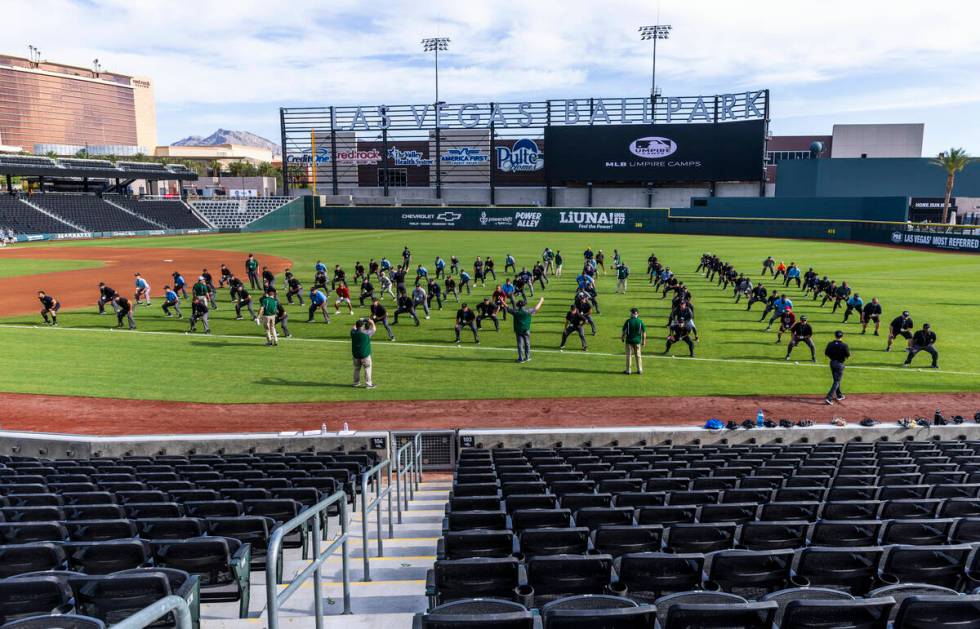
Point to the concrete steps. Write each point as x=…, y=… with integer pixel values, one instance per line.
x=397, y=587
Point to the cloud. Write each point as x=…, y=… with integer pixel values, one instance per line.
x=205, y=55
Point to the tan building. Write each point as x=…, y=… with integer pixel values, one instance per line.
x=224, y=153
x=46, y=106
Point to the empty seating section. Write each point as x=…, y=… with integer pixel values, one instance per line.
x=27, y=160
x=172, y=213
x=105, y=537
x=91, y=164
x=24, y=219
x=90, y=212
x=228, y=213
x=142, y=167
x=803, y=535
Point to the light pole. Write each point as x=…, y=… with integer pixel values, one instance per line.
x=654, y=32
x=435, y=44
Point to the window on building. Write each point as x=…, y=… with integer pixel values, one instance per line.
x=397, y=177
x=774, y=157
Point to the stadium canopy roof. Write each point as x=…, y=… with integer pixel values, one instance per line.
x=36, y=166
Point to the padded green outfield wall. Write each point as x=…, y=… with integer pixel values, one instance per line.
x=871, y=177
x=893, y=209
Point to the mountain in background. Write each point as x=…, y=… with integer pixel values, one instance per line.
x=225, y=136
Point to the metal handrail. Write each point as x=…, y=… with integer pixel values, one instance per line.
x=418, y=461
x=401, y=476
x=156, y=610
x=375, y=505
x=273, y=599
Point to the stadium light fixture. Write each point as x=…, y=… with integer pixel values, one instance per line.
x=654, y=32
x=434, y=45
x=35, y=55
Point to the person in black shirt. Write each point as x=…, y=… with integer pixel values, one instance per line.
x=900, y=326
x=488, y=310
x=359, y=273
x=406, y=257
x=268, y=279
x=767, y=265
x=367, y=290
x=801, y=332
x=465, y=317
x=398, y=277
x=294, y=289
x=49, y=307
x=872, y=312
x=225, y=276
x=320, y=280
x=679, y=332
x=212, y=291
x=923, y=341
x=838, y=352
x=234, y=285
x=106, y=296
x=380, y=316
x=406, y=305
x=759, y=293
x=199, y=312
x=282, y=317
x=770, y=304
x=244, y=301
x=451, y=288
x=434, y=292
x=584, y=306
x=478, y=272
x=124, y=310
x=453, y=265
x=488, y=269
x=574, y=324
x=339, y=277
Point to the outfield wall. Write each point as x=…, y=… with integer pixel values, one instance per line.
x=672, y=221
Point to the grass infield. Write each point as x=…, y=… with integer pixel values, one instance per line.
x=159, y=361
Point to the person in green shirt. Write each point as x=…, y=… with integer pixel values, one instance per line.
x=360, y=347
x=522, y=327
x=268, y=308
x=559, y=263
x=622, y=272
x=252, y=268
x=635, y=337
x=201, y=289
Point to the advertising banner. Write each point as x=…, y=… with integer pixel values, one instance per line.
x=731, y=151
x=951, y=242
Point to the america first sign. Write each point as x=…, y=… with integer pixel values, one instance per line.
x=750, y=105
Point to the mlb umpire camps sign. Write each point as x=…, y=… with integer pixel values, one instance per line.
x=732, y=151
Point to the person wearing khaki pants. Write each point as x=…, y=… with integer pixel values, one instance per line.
x=635, y=337
x=268, y=308
x=360, y=345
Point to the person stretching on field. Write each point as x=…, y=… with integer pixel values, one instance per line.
x=635, y=337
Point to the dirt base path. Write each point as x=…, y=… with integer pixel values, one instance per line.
x=80, y=288
x=100, y=416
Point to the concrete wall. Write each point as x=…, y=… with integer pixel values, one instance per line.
x=877, y=140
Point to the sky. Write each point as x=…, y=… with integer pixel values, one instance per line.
x=233, y=64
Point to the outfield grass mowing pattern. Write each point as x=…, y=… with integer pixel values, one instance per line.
x=235, y=366
x=21, y=267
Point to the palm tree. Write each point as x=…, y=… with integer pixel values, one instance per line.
x=952, y=161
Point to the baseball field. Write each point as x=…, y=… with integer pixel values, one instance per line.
x=159, y=378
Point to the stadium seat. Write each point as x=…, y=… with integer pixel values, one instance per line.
x=475, y=613
x=866, y=613
x=934, y=565
x=648, y=576
x=70, y=621
x=853, y=569
x=684, y=615
x=939, y=612
x=590, y=611
x=618, y=539
x=524, y=519
x=21, y=558
x=455, y=579
x=902, y=591
x=22, y=597
x=107, y=556
x=475, y=543
x=787, y=596
x=222, y=565
x=557, y=576
x=26, y=532
x=700, y=538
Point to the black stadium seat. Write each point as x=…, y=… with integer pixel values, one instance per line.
x=649, y=575
x=456, y=579
x=21, y=597
x=591, y=611
x=20, y=558
x=475, y=613
x=866, y=613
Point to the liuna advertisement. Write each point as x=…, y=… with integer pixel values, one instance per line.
x=728, y=151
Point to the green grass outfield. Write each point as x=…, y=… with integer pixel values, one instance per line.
x=735, y=357
x=20, y=267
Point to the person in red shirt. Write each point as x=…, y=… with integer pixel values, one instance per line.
x=786, y=322
x=343, y=297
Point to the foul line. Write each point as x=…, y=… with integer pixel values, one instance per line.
x=473, y=347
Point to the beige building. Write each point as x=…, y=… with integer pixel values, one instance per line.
x=224, y=153
x=47, y=106
x=877, y=140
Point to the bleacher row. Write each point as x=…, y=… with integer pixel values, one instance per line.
x=828, y=535
x=231, y=213
x=93, y=213
x=105, y=537
x=39, y=161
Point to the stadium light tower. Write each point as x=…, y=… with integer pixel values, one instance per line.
x=35, y=55
x=435, y=44
x=654, y=32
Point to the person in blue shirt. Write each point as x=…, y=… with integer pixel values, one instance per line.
x=510, y=263
x=171, y=300
x=318, y=301
x=142, y=290
x=779, y=306
x=464, y=280
x=385, y=264
x=508, y=289
x=854, y=302
x=792, y=275
x=180, y=285
x=584, y=281
x=320, y=267
x=421, y=272
x=440, y=267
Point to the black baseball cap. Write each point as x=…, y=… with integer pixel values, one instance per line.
x=905, y=313
x=803, y=318
x=839, y=334
x=634, y=311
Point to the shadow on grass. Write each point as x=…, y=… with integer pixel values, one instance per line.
x=282, y=382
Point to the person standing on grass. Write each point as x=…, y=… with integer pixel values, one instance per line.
x=200, y=289
x=871, y=313
x=521, y=315
x=622, y=273
x=838, y=352
x=360, y=346
x=252, y=270
x=106, y=296
x=574, y=322
x=379, y=314
x=124, y=310
x=923, y=341
x=802, y=332
x=559, y=262
x=142, y=290
x=171, y=300
x=343, y=298
x=199, y=312
x=268, y=308
x=635, y=337
x=49, y=307
x=225, y=276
